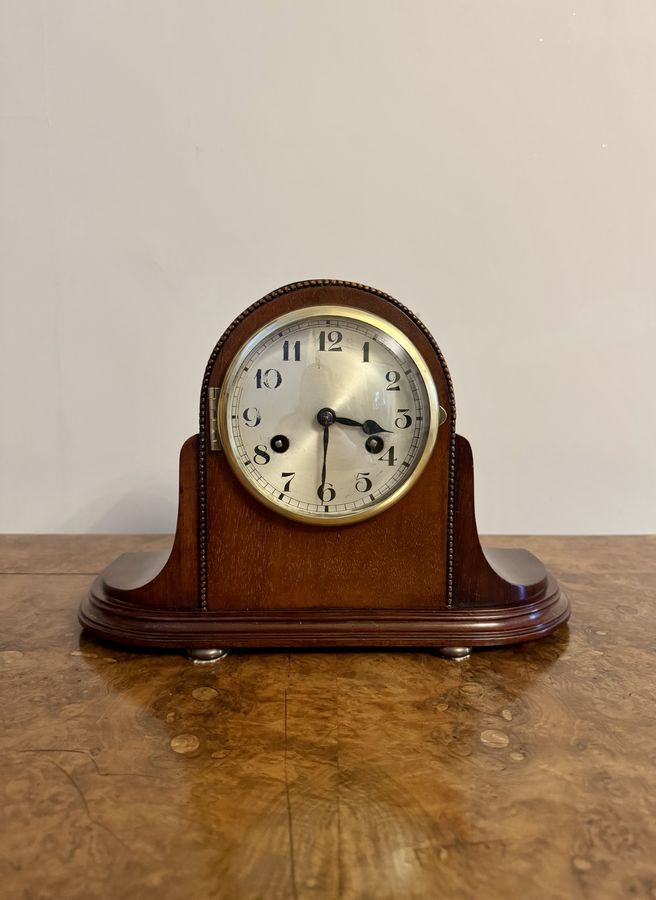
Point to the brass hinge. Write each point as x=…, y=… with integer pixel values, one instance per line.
x=213, y=403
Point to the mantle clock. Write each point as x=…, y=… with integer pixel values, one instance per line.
x=327, y=500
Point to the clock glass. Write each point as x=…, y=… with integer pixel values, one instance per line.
x=328, y=414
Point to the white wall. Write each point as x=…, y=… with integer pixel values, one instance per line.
x=493, y=165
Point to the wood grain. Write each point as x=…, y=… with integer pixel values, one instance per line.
x=61, y=554
x=328, y=567
x=522, y=772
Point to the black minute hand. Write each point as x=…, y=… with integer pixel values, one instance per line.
x=368, y=426
x=326, y=436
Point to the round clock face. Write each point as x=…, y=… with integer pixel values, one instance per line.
x=328, y=414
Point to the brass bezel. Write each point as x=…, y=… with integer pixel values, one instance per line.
x=327, y=311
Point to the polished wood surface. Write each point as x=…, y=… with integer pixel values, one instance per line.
x=331, y=567
x=521, y=772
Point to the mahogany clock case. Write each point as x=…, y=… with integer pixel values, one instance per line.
x=241, y=575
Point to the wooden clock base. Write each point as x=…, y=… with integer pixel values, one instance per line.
x=501, y=597
x=241, y=575
x=104, y=615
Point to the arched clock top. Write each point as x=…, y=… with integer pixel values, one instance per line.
x=330, y=292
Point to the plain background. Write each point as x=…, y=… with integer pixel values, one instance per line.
x=164, y=164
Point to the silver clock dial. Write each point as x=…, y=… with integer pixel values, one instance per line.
x=328, y=414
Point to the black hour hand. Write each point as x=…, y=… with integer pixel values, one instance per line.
x=368, y=426
x=371, y=427
x=342, y=420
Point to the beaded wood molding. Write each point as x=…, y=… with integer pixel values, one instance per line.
x=204, y=416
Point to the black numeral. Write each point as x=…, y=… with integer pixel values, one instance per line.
x=251, y=416
x=362, y=483
x=404, y=421
x=393, y=378
x=296, y=351
x=271, y=379
x=326, y=492
x=333, y=337
x=290, y=477
x=388, y=457
x=261, y=452
x=365, y=352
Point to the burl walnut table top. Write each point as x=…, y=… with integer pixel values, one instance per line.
x=522, y=772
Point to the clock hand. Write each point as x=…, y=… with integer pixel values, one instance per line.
x=325, y=418
x=326, y=436
x=341, y=420
x=371, y=427
x=368, y=426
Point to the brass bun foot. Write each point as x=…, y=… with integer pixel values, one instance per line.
x=205, y=657
x=453, y=652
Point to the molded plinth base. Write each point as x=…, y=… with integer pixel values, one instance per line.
x=106, y=616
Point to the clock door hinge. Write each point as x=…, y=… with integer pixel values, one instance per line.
x=213, y=404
